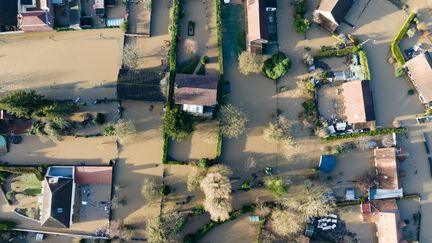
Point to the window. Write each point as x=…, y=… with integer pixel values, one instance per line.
x=59, y=210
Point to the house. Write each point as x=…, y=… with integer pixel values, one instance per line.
x=196, y=93
x=389, y=226
x=35, y=15
x=419, y=70
x=145, y=85
x=331, y=13
x=261, y=24
x=358, y=102
x=8, y=15
x=385, y=214
x=66, y=191
x=327, y=163
x=387, y=174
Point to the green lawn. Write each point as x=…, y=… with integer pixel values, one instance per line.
x=26, y=184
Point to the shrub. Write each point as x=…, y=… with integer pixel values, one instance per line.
x=37, y=128
x=394, y=47
x=411, y=32
x=364, y=62
x=204, y=163
x=7, y=225
x=277, y=186
x=109, y=130
x=276, y=66
x=301, y=24
x=178, y=124
x=399, y=70
x=338, y=53
x=198, y=210
x=164, y=190
x=245, y=186
x=204, y=60
x=100, y=119
x=300, y=6
x=10, y=195
x=217, y=190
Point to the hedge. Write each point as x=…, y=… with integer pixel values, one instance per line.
x=380, y=131
x=221, y=86
x=174, y=28
x=338, y=52
x=261, y=228
x=365, y=64
x=7, y=225
x=394, y=46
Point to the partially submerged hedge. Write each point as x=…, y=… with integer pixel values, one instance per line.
x=379, y=131
x=365, y=64
x=338, y=52
x=174, y=28
x=221, y=86
x=394, y=46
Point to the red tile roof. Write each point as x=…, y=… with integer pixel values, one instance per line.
x=101, y=175
x=386, y=164
x=34, y=21
x=358, y=102
x=420, y=71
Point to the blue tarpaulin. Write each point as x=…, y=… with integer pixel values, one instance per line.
x=327, y=163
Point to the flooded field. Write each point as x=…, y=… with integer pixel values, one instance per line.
x=40, y=150
x=138, y=161
x=37, y=61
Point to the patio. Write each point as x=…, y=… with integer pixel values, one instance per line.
x=330, y=102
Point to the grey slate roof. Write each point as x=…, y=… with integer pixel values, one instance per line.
x=56, y=211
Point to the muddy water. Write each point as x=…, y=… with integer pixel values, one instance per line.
x=138, y=161
x=77, y=59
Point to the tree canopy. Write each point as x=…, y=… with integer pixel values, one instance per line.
x=232, y=121
x=276, y=66
x=23, y=104
x=178, y=124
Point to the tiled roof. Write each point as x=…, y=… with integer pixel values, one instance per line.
x=57, y=205
x=8, y=13
x=358, y=102
x=388, y=226
x=257, y=19
x=386, y=164
x=420, y=70
x=337, y=8
x=196, y=89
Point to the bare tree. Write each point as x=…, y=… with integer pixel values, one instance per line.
x=118, y=229
x=221, y=169
x=165, y=228
x=217, y=189
x=308, y=200
x=285, y=223
x=250, y=63
x=151, y=190
x=124, y=130
x=232, y=121
x=190, y=46
x=130, y=57
x=366, y=181
x=278, y=130
x=194, y=179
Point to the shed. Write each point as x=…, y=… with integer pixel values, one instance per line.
x=309, y=230
x=327, y=163
x=3, y=145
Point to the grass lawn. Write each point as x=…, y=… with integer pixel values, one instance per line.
x=26, y=184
